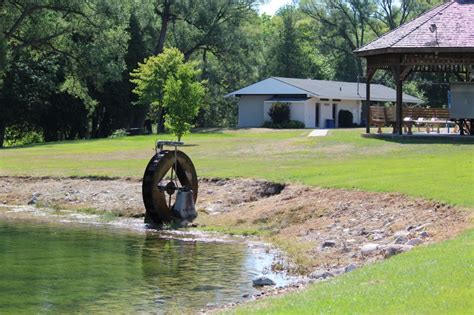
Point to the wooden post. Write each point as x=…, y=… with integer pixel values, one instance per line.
x=369, y=75
x=367, y=104
x=399, y=118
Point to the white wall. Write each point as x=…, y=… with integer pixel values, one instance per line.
x=297, y=111
x=251, y=110
x=325, y=112
x=301, y=111
x=310, y=113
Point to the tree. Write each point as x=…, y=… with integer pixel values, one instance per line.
x=150, y=79
x=343, y=26
x=183, y=96
x=86, y=40
x=167, y=82
x=288, y=55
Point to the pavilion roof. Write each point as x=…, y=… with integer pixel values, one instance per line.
x=454, y=32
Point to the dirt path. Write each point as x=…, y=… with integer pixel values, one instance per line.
x=325, y=231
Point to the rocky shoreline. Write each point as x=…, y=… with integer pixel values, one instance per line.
x=322, y=232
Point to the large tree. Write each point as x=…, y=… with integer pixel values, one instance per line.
x=88, y=36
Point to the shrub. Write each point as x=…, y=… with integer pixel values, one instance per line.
x=345, y=119
x=23, y=134
x=119, y=133
x=279, y=113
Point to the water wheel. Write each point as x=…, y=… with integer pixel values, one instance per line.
x=169, y=175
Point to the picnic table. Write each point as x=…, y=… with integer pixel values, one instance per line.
x=430, y=124
x=431, y=118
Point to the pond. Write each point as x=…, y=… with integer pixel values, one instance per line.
x=95, y=268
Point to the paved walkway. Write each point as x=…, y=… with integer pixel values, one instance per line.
x=318, y=133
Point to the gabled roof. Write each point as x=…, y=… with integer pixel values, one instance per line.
x=268, y=86
x=445, y=28
x=322, y=89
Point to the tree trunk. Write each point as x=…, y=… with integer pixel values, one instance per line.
x=165, y=20
x=160, y=122
x=2, y=133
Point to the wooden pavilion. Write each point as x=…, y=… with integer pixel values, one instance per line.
x=440, y=40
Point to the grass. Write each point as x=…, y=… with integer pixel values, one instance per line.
x=437, y=279
x=344, y=159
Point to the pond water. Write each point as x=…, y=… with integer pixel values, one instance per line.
x=64, y=269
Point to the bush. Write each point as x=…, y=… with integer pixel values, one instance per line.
x=290, y=124
x=119, y=133
x=345, y=119
x=23, y=134
x=279, y=113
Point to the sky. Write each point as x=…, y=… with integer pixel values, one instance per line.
x=272, y=6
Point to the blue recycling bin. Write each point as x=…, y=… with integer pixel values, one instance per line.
x=330, y=124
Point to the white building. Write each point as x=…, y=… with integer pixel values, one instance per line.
x=312, y=102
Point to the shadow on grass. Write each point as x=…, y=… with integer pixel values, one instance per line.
x=210, y=130
x=422, y=139
x=43, y=144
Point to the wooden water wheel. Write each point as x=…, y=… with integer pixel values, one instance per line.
x=168, y=173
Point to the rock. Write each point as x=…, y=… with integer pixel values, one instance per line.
x=422, y=227
x=401, y=239
x=262, y=281
x=33, y=200
x=414, y=241
x=424, y=234
x=402, y=233
x=329, y=243
x=272, y=189
x=394, y=249
x=376, y=236
x=363, y=232
x=320, y=274
x=336, y=271
x=246, y=296
x=350, y=268
x=369, y=249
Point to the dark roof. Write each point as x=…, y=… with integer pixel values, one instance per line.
x=322, y=89
x=454, y=22
x=287, y=99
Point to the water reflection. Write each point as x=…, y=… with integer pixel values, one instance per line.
x=46, y=268
x=193, y=271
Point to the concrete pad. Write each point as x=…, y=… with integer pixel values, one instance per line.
x=318, y=133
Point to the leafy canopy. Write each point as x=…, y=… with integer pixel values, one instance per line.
x=166, y=81
x=183, y=97
x=151, y=75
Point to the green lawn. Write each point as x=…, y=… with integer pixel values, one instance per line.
x=437, y=279
x=344, y=159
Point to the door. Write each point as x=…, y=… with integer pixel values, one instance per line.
x=335, y=114
x=316, y=111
